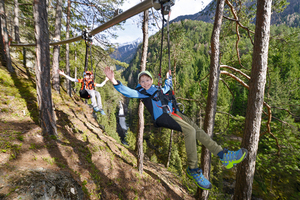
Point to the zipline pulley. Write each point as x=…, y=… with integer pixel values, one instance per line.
x=86, y=36
x=163, y=4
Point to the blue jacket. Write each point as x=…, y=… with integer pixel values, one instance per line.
x=154, y=107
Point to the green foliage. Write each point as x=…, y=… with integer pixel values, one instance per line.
x=277, y=165
x=190, y=64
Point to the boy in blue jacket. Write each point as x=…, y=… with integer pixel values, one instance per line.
x=164, y=114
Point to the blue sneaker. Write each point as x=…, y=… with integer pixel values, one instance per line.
x=197, y=176
x=96, y=109
x=231, y=158
x=102, y=112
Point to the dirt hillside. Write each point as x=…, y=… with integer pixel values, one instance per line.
x=82, y=162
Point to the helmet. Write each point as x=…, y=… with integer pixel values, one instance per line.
x=88, y=72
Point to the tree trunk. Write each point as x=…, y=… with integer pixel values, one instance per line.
x=245, y=172
x=170, y=149
x=16, y=20
x=56, y=48
x=42, y=68
x=212, y=92
x=68, y=49
x=6, y=60
x=139, y=141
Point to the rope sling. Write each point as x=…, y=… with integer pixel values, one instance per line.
x=170, y=96
x=88, y=44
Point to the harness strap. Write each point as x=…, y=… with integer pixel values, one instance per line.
x=83, y=86
x=173, y=113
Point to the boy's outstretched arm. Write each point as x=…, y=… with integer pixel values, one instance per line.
x=61, y=72
x=168, y=82
x=126, y=91
x=103, y=83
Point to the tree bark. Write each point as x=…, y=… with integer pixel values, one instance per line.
x=56, y=48
x=16, y=20
x=42, y=68
x=6, y=60
x=170, y=149
x=139, y=141
x=69, y=91
x=212, y=93
x=245, y=171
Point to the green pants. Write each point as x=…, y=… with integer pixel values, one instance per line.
x=192, y=132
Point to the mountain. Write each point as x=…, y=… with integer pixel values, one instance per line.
x=125, y=52
x=290, y=16
x=205, y=15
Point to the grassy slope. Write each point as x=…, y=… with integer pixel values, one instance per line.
x=104, y=168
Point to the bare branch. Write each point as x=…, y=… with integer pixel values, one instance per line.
x=269, y=127
x=265, y=104
x=285, y=110
x=242, y=26
x=155, y=18
x=231, y=101
x=236, y=70
x=236, y=78
x=237, y=31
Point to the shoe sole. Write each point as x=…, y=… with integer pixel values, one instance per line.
x=231, y=164
x=196, y=182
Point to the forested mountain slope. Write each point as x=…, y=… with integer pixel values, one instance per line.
x=290, y=16
x=83, y=162
x=278, y=152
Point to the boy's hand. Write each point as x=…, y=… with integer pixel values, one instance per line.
x=110, y=75
x=168, y=74
x=61, y=72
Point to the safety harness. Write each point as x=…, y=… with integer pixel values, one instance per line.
x=83, y=93
x=163, y=98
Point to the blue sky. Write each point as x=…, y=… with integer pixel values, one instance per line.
x=131, y=30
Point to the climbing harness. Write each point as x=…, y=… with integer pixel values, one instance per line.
x=89, y=84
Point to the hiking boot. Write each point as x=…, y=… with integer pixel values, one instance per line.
x=231, y=158
x=96, y=109
x=197, y=176
x=102, y=112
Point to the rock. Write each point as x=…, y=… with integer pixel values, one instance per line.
x=42, y=184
